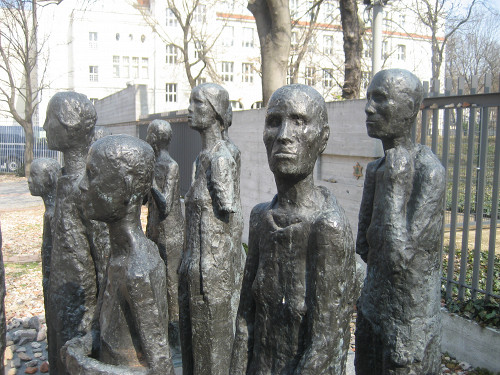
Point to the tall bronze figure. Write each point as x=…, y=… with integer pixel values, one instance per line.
x=133, y=313
x=298, y=288
x=42, y=182
x=207, y=275
x=75, y=261
x=400, y=220
x=165, y=225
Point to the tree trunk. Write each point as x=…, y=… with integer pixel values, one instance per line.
x=353, y=47
x=273, y=25
x=28, y=148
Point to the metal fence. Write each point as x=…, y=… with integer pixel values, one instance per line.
x=12, y=142
x=463, y=131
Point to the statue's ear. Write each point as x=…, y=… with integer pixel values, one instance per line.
x=325, y=134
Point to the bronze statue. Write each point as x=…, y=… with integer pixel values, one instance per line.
x=298, y=288
x=79, y=253
x=165, y=225
x=42, y=182
x=207, y=273
x=133, y=313
x=400, y=220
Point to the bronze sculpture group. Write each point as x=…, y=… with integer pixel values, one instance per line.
x=117, y=298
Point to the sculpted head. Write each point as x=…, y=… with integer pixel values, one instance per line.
x=296, y=130
x=208, y=105
x=44, y=173
x=159, y=134
x=393, y=97
x=119, y=174
x=70, y=121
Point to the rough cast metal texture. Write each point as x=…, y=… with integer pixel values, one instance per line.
x=298, y=288
x=165, y=225
x=80, y=247
x=3, y=326
x=132, y=309
x=42, y=182
x=207, y=280
x=400, y=220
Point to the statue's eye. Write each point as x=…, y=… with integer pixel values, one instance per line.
x=273, y=121
x=298, y=120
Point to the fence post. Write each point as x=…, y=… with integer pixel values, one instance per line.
x=424, y=124
x=435, y=118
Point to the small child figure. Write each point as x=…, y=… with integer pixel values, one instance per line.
x=42, y=182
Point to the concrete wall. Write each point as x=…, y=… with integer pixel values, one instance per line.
x=348, y=145
x=123, y=106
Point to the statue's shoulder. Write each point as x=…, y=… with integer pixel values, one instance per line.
x=331, y=215
x=372, y=166
x=261, y=209
x=427, y=165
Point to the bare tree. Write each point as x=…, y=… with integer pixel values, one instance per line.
x=475, y=51
x=437, y=15
x=20, y=72
x=353, y=47
x=273, y=26
x=195, y=35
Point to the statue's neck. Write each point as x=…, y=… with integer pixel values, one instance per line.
x=124, y=232
x=74, y=161
x=294, y=193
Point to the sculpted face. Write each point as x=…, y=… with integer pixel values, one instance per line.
x=294, y=133
x=390, y=107
x=104, y=194
x=201, y=114
x=38, y=182
x=57, y=133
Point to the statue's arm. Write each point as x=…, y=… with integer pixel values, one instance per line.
x=366, y=209
x=223, y=174
x=245, y=318
x=164, y=198
x=330, y=301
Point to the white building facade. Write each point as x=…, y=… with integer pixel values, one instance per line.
x=98, y=48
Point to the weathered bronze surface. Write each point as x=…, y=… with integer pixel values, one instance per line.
x=400, y=220
x=299, y=281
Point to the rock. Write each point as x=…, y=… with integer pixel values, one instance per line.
x=26, y=322
x=8, y=353
x=35, y=323
x=41, y=318
x=29, y=334
x=16, y=362
x=37, y=350
x=35, y=345
x=9, y=343
x=31, y=370
x=37, y=355
x=33, y=363
x=25, y=340
x=44, y=368
x=12, y=371
x=21, y=349
x=42, y=334
x=24, y=357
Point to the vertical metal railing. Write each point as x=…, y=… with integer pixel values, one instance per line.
x=471, y=190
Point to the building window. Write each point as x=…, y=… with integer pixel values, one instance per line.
x=93, y=73
x=200, y=80
x=199, y=49
x=401, y=52
x=125, y=67
x=365, y=79
x=171, y=54
x=328, y=78
x=385, y=49
x=145, y=68
x=200, y=13
x=329, y=11
x=294, y=40
x=289, y=75
x=227, y=71
x=170, y=18
x=309, y=76
x=257, y=105
x=135, y=67
x=117, y=36
x=93, y=40
x=402, y=20
x=228, y=36
x=294, y=8
x=328, y=44
x=247, y=72
x=116, y=66
x=247, y=40
x=236, y=104
x=367, y=50
x=171, y=96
